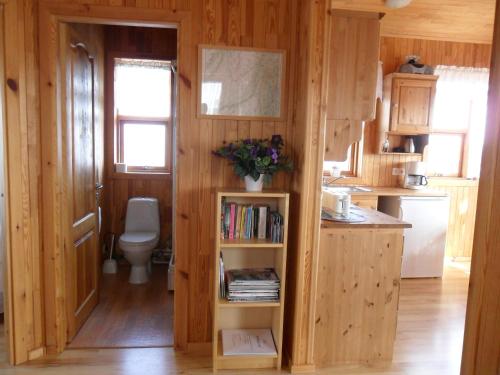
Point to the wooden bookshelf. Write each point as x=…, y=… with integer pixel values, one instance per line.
x=251, y=253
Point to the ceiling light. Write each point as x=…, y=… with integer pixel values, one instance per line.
x=397, y=3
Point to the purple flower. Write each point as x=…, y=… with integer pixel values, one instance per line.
x=247, y=141
x=274, y=155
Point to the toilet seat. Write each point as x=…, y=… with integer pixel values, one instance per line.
x=138, y=241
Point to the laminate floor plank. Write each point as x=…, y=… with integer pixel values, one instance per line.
x=429, y=342
x=130, y=316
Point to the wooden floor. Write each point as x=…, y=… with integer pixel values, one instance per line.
x=130, y=316
x=429, y=342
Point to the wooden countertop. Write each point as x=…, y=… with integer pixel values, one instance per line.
x=394, y=191
x=374, y=219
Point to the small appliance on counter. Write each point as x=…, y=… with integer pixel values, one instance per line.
x=415, y=177
x=413, y=66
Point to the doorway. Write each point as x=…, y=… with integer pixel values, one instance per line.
x=139, y=76
x=119, y=303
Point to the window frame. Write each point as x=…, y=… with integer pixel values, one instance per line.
x=165, y=121
x=464, y=153
x=462, y=169
x=356, y=162
x=113, y=117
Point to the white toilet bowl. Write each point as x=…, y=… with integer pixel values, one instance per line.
x=142, y=233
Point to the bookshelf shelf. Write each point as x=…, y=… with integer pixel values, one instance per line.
x=233, y=362
x=223, y=303
x=249, y=253
x=248, y=243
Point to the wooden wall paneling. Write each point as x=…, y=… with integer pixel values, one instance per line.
x=393, y=52
x=24, y=302
x=482, y=327
x=463, y=200
x=146, y=42
x=308, y=149
x=5, y=262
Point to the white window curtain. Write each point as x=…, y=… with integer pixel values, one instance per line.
x=142, y=87
x=460, y=105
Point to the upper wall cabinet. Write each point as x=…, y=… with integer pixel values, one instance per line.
x=353, y=55
x=408, y=102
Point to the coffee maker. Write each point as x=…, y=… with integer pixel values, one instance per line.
x=415, y=177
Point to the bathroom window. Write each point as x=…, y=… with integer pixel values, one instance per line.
x=142, y=97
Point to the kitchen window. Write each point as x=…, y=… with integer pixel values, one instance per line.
x=456, y=139
x=351, y=166
x=142, y=97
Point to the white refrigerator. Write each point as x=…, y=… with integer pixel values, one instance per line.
x=425, y=241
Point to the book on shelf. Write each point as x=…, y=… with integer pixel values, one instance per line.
x=249, y=221
x=252, y=285
x=247, y=342
x=222, y=276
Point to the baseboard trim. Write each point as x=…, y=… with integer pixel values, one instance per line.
x=302, y=369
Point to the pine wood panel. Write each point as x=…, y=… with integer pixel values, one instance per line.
x=156, y=43
x=456, y=20
x=309, y=145
x=393, y=52
x=481, y=353
x=23, y=259
x=358, y=294
x=462, y=216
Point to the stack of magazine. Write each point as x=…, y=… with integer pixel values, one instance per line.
x=252, y=285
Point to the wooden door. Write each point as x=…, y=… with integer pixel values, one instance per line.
x=80, y=213
x=412, y=104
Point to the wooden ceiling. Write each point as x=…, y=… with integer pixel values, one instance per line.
x=453, y=20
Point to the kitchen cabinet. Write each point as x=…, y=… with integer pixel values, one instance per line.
x=353, y=55
x=409, y=102
x=352, y=59
x=358, y=286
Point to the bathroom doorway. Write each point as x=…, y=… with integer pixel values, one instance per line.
x=133, y=76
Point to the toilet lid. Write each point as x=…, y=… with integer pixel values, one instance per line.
x=139, y=238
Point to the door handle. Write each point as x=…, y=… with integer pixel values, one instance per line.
x=99, y=186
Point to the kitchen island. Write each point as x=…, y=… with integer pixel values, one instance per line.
x=359, y=266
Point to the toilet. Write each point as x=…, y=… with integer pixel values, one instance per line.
x=142, y=234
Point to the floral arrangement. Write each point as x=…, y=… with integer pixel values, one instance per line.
x=256, y=157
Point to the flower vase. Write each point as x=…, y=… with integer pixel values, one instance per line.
x=252, y=185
